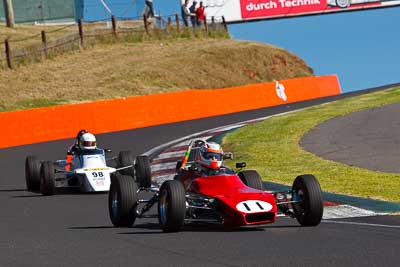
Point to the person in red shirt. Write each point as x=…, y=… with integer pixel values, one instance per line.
x=200, y=14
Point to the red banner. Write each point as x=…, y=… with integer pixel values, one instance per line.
x=265, y=8
x=252, y=9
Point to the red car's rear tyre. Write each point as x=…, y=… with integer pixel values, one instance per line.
x=143, y=171
x=126, y=158
x=251, y=178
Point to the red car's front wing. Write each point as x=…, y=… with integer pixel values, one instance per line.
x=248, y=209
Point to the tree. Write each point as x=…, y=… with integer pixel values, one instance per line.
x=9, y=13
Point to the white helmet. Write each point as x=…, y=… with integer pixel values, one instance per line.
x=87, y=141
x=210, y=155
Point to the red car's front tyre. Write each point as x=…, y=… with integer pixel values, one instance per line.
x=171, y=206
x=122, y=200
x=308, y=193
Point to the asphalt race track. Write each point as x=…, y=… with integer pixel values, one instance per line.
x=368, y=139
x=74, y=229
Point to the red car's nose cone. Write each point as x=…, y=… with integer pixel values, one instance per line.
x=241, y=204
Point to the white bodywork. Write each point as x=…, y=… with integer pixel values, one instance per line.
x=91, y=170
x=96, y=172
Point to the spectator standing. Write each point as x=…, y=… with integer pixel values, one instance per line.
x=185, y=13
x=193, y=15
x=200, y=15
x=150, y=9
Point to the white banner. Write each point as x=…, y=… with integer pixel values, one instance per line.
x=244, y=10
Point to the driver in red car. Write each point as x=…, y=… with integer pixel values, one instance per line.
x=207, y=161
x=209, y=158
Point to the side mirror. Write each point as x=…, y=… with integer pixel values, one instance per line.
x=240, y=165
x=228, y=155
x=194, y=168
x=107, y=150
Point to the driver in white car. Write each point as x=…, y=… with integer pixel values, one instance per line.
x=84, y=140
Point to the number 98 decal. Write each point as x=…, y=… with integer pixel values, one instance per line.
x=97, y=174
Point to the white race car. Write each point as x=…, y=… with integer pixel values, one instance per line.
x=89, y=172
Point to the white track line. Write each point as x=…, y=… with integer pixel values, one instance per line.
x=187, y=142
x=346, y=211
x=167, y=155
x=163, y=166
x=162, y=178
x=363, y=224
x=192, y=136
x=231, y=127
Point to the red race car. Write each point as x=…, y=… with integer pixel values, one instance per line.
x=204, y=191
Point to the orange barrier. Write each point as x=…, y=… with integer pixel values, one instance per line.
x=59, y=122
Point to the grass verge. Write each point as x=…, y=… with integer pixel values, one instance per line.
x=272, y=147
x=129, y=68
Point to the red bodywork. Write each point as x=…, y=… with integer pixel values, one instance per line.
x=255, y=206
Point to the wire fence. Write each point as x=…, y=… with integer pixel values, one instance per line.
x=48, y=44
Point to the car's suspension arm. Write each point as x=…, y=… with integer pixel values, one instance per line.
x=147, y=206
x=285, y=201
